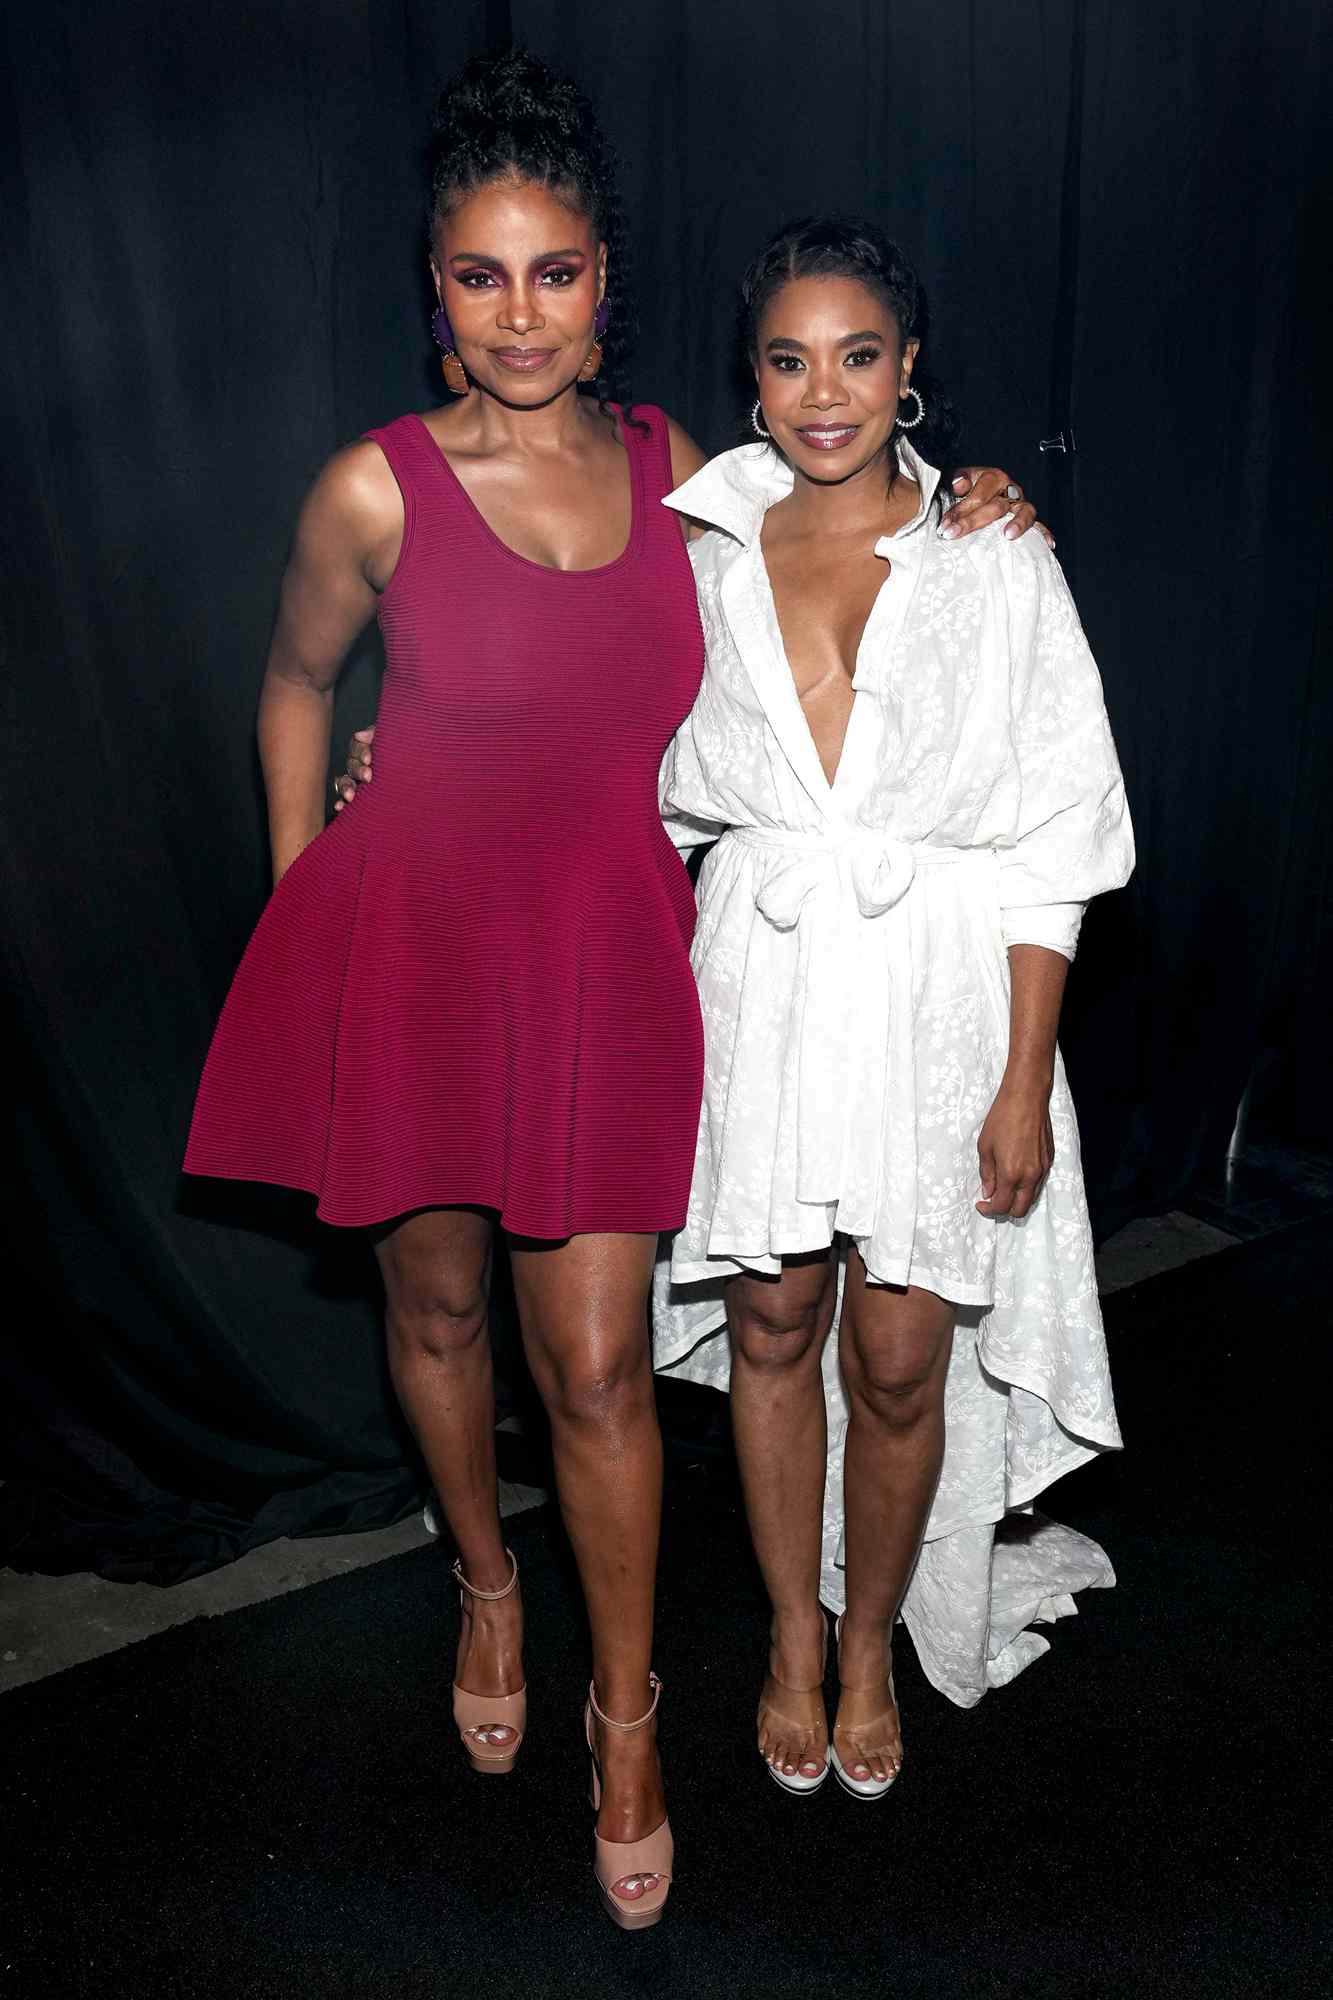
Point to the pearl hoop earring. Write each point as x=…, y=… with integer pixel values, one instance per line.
x=910, y=423
x=755, y=423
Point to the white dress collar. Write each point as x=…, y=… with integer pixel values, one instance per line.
x=735, y=490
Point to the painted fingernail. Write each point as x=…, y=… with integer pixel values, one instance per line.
x=1012, y=532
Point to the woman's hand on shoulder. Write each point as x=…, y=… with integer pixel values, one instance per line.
x=985, y=493
x=686, y=460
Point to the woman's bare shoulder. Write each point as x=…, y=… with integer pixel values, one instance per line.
x=686, y=457
x=358, y=480
x=686, y=460
x=355, y=499
x=351, y=520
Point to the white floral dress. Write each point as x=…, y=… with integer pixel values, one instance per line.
x=852, y=970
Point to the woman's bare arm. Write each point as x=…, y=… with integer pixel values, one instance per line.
x=1016, y=1146
x=346, y=543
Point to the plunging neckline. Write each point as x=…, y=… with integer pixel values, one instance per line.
x=830, y=783
x=531, y=562
x=882, y=542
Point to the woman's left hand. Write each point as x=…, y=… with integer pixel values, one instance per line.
x=987, y=494
x=1015, y=1149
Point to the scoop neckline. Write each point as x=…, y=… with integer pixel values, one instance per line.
x=530, y=562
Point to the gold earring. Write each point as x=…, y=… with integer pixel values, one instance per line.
x=592, y=366
x=455, y=375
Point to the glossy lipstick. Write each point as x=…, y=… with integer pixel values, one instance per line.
x=827, y=437
x=523, y=360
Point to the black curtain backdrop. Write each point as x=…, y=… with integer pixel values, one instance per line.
x=213, y=273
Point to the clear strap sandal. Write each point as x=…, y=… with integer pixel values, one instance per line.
x=481, y=1718
x=797, y=1782
x=624, y=1868
x=868, y=1788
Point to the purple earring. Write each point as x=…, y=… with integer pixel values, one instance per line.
x=443, y=332
x=601, y=319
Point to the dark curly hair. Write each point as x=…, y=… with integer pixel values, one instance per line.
x=511, y=115
x=843, y=247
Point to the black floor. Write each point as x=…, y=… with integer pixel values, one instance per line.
x=272, y=1803
x=1265, y=1188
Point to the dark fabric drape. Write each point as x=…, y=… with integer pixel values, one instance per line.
x=1121, y=213
x=1202, y=503
x=212, y=264
x=214, y=273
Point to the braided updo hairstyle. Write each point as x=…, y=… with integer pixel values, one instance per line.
x=511, y=115
x=843, y=247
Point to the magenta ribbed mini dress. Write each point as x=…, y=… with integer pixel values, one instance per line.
x=474, y=986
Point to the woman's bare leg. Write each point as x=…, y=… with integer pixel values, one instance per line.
x=778, y=1328
x=435, y=1267
x=583, y=1307
x=894, y=1350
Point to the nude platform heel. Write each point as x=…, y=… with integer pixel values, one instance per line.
x=476, y=1715
x=620, y=1863
x=862, y=1788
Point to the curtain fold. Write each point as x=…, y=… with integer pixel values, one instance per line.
x=1201, y=412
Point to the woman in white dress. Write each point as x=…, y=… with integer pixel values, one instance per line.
x=902, y=742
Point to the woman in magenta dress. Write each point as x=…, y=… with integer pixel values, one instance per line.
x=469, y=1001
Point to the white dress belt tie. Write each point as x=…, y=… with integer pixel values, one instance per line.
x=854, y=991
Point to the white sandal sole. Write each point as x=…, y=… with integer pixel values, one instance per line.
x=798, y=1786
x=867, y=1789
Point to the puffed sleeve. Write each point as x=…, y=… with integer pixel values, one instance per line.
x=1072, y=838
x=686, y=829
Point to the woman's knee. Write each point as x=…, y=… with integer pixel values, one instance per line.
x=776, y=1330
x=898, y=1375
x=439, y=1310
x=436, y=1271
x=597, y=1382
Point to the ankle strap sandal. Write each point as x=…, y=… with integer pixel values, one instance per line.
x=625, y=1869
x=490, y=1726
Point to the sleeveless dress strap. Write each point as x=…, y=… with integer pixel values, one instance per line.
x=407, y=447
x=654, y=456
